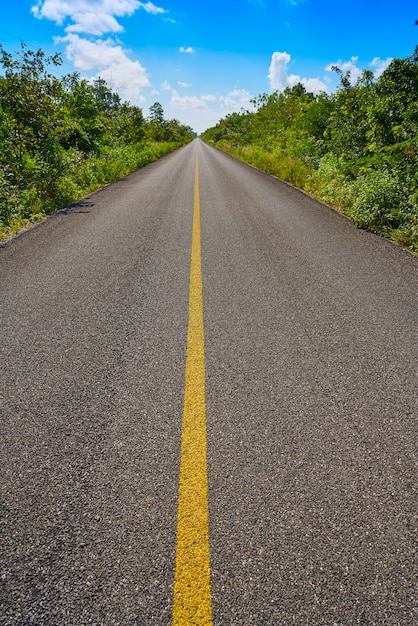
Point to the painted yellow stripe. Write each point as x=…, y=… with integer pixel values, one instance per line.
x=192, y=601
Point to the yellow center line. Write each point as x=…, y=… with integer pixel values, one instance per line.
x=192, y=601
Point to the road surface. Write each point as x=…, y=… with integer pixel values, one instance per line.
x=304, y=378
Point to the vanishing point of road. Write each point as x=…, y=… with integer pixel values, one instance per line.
x=208, y=402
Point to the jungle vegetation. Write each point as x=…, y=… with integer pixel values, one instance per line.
x=356, y=149
x=63, y=137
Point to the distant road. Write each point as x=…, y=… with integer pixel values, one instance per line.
x=307, y=407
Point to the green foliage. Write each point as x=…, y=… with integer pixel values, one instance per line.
x=386, y=202
x=377, y=202
x=285, y=167
x=61, y=138
x=160, y=129
x=356, y=149
x=329, y=183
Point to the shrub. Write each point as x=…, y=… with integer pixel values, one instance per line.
x=379, y=201
x=80, y=176
x=330, y=185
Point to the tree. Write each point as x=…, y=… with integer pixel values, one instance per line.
x=156, y=113
x=81, y=126
x=107, y=99
x=29, y=98
x=156, y=122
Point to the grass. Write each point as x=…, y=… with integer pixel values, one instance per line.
x=375, y=201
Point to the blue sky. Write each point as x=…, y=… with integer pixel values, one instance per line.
x=202, y=60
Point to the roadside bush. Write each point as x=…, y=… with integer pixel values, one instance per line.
x=330, y=185
x=407, y=233
x=10, y=206
x=80, y=176
x=287, y=168
x=379, y=200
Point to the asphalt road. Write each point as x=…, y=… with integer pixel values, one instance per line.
x=311, y=402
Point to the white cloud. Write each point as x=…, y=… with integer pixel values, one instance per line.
x=379, y=65
x=94, y=17
x=188, y=50
x=112, y=64
x=151, y=8
x=165, y=86
x=233, y=101
x=347, y=66
x=278, y=70
x=204, y=111
x=195, y=111
x=236, y=100
x=104, y=58
x=313, y=85
x=210, y=97
x=94, y=24
x=87, y=55
x=188, y=103
x=183, y=84
x=280, y=79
